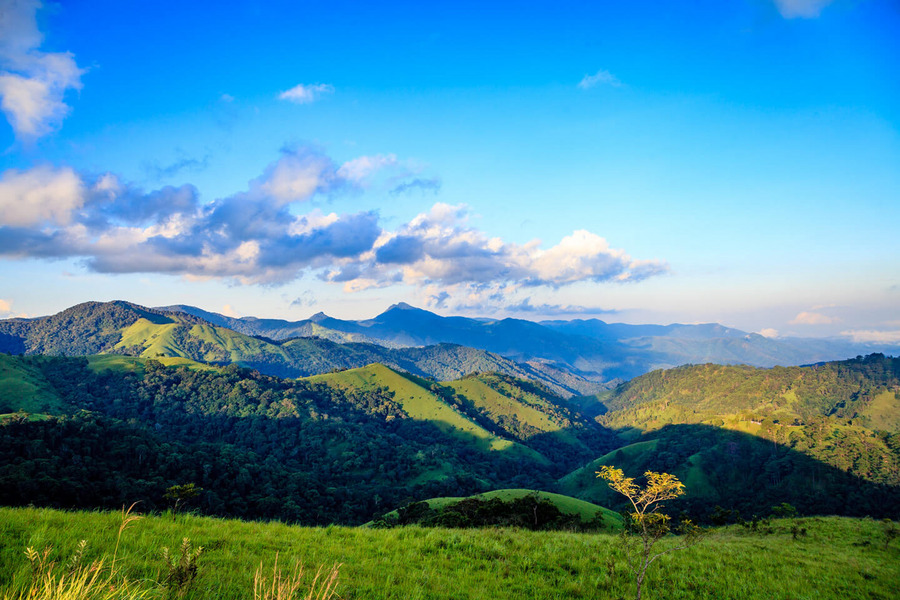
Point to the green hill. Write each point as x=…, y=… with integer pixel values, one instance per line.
x=586, y=512
x=823, y=438
x=337, y=448
x=862, y=391
x=530, y=413
x=421, y=404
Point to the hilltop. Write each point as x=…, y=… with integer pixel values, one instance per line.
x=587, y=347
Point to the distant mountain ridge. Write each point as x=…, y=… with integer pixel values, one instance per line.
x=124, y=328
x=591, y=348
x=570, y=357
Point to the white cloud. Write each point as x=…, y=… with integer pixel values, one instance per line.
x=865, y=336
x=438, y=249
x=768, y=332
x=806, y=9
x=306, y=93
x=42, y=194
x=32, y=83
x=5, y=306
x=601, y=77
x=813, y=318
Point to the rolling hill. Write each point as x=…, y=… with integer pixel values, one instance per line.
x=824, y=438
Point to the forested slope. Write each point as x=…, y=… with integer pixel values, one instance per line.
x=121, y=430
x=824, y=438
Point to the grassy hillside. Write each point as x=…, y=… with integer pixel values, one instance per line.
x=533, y=415
x=862, y=391
x=838, y=558
x=502, y=399
x=420, y=403
x=799, y=430
x=23, y=387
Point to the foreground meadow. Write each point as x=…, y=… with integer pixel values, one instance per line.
x=838, y=558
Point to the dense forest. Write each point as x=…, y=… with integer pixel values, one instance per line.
x=259, y=446
x=350, y=445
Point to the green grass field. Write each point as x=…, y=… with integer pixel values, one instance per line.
x=839, y=558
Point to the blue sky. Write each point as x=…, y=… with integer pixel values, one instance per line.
x=736, y=162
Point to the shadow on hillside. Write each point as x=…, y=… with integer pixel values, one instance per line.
x=750, y=474
x=260, y=448
x=265, y=448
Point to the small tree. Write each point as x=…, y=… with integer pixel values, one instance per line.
x=181, y=494
x=645, y=526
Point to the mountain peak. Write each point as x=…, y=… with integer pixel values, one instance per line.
x=401, y=306
x=319, y=317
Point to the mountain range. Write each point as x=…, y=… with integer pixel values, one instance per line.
x=592, y=348
x=571, y=358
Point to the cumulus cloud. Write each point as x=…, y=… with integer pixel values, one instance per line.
x=33, y=83
x=297, y=176
x=813, y=318
x=768, y=332
x=5, y=306
x=261, y=235
x=873, y=336
x=601, y=77
x=805, y=9
x=439, y=248
x=250, y=237
x=306, y=93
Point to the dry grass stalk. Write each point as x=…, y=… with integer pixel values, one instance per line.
x=286, y=587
